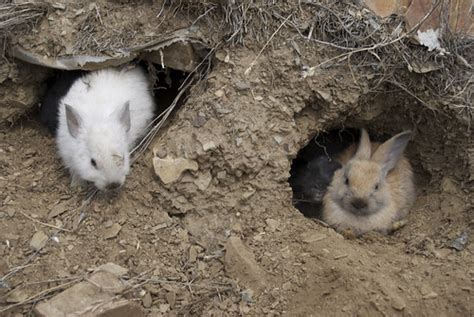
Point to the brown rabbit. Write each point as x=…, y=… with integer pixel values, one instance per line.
x=371, y=191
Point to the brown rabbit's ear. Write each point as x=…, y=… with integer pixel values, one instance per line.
x=390, y=152
x=364, y=149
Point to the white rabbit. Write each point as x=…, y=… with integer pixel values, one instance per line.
x=100, y=119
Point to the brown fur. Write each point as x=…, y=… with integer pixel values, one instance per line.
x=365, y=166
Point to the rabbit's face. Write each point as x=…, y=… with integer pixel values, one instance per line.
x=360, y=188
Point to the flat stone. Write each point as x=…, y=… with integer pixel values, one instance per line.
x=398, y=303
x=113, y=268
x=310, y=237
x=95, y=297
x=169, y=170
x=147, y=300
x=39, y=240
x=112, y=231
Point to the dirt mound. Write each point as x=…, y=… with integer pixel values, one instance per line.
x=225, y=239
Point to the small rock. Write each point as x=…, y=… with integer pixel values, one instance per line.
x=147, y=300
x=58, y=209
x=240, y=264
x=113, y=268
x=199, y=121
x=171, y=298
x=426, y=290
x=460, y=242
x=219, y=93
x=221, y=175
x=169, y=170
x=209, y=146
x=278, y=139
x=11, y=212
x=398, y=303
x=39, y=240
x=193, y=253
x=272, y=224
x=287, y=286
x=112, y=232
x=310, y=237
x=203, y=181
x=241, y=85
x=164, y=308
x=431, y=295
x=325, y=95
x=448, y=186
x=247, y=296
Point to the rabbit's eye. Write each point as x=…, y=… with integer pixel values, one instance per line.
x=346, y=181
x=93, y=163
x=376, y=186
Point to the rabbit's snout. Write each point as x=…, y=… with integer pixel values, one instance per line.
x=359, y=203
x=113, y=186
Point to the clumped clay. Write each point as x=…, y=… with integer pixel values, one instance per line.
x=373, y=190
x=100, y=119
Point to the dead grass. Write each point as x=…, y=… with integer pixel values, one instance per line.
x=14, y=16
x=367, y=44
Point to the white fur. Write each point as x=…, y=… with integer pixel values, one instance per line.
x=98, y=98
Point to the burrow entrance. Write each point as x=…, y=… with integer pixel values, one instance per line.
x=431, y=153
x=166, y=85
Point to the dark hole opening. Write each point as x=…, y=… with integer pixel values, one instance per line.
x=312, y=169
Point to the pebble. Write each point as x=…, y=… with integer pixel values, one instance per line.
x=398, y=303
x=147, y=300
x=272, y=224
x=112, y=231
x=39, y=240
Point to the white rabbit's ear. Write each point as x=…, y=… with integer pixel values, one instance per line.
x=391, y=151
x=124, y=116
x=364, y=149
x=73, y=120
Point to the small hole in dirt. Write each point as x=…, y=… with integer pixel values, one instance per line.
x=312, y=169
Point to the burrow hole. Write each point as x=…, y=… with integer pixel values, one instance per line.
x=312, y=170
x=165, y=82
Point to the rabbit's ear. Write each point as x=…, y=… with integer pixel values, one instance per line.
x=73, y=120
x=364, y=149
x=390, y=152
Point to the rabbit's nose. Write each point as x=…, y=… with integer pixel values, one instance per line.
x=358, y=203
x=113, y=186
